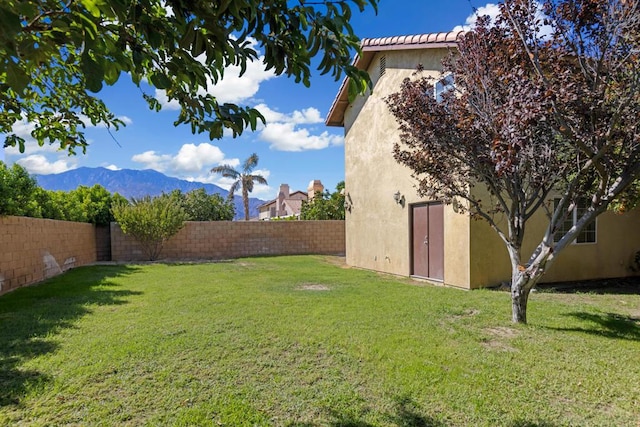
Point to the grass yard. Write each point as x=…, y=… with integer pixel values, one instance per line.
x=303, y=341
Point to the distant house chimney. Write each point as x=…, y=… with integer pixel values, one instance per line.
x=315, y=186
x=284, y=191
x=283, y=194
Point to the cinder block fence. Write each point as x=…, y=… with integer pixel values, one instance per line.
x=32, y=249
x=227, y=239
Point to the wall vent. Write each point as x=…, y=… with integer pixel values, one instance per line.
x=383, y=65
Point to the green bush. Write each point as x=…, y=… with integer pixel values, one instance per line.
x=325, y=206
x=151, y=221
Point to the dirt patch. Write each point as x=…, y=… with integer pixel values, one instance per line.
x=498, y=336
x=313, y=287
x=634, y=315
x=502, y=332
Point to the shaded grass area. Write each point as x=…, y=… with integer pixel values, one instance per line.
x=301, y=341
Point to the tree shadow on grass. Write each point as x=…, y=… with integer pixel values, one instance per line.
x=609, y=325
x=30, y=316
x=532, y=424
x=406, y=413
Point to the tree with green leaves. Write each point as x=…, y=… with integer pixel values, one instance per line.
x=325, y=205
x=151, y=221
x=56, y=55
x=200, y=206
x=242, y=179
x=17, y=191
x=89, y=204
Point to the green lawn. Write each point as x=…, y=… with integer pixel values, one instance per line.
x=303, y=341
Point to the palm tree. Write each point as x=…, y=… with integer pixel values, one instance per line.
x=243, y=179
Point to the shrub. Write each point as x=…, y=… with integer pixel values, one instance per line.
x=151, y=221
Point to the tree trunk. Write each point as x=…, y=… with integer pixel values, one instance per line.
x=524, y=279
x=245, y=204
x=519, y=297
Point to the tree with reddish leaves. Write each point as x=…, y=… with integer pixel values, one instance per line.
x=544, y=115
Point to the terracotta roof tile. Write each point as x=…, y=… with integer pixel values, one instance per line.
x=405, y=42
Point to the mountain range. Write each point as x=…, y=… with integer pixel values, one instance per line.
x=136, y=183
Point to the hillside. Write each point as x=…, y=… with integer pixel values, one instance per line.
x=135, y=183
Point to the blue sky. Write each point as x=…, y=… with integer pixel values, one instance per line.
x=294, y=148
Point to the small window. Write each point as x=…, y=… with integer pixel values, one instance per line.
x=443, y=86
x=588, y=233
x=383, y=65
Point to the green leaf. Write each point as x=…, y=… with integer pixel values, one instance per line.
x=93, y=73
x=199, y=44
x=17, y=78
x=160, y=80
x=9, y=22
x=111, y=73
x=92, y=7
x=353, y=90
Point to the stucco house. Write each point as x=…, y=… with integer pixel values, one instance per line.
x=390, y=229
x=286, y=203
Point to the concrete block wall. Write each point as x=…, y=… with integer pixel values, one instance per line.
x=227, y=240
x=33, y=249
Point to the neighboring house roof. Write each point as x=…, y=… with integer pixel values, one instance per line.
x=288, y=200
x=294, y=204
x=369, y=47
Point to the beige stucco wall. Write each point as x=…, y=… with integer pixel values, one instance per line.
x=617, y=241
x=377, y=228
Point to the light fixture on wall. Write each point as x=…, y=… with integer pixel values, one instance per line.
x=399, y=198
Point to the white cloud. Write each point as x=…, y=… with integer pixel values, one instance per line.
x=151, y=160
x=286, y=137
x=286, y=132
x=307, y=116
x=232, y=87
x=493, y=10
x=39, y=164
x=127, y=120
x=168, y=10
x=490, y=9
x=193, y=158
x=235, y=88
x=190, y=159
x=113, y=168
